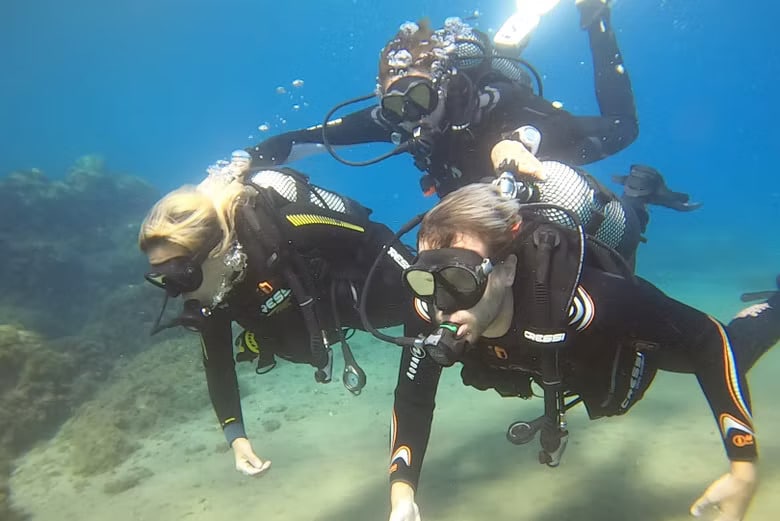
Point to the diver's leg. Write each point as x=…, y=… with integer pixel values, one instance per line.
x=645, y=185
x=755, y=330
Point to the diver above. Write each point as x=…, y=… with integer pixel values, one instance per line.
x=448, y=96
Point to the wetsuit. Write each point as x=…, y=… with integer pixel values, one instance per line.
x=336, y=245
x=460, y=157
x=620, y=333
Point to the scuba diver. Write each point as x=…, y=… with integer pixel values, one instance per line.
x=449, y=97
x=281, y=257
x=517, y=298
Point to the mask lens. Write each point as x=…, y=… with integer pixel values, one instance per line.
x=393, y=107
x=420, y=282
x=459, y=279
x=409, y=100
x=156, y=279
x=176, y=276
x=458, y=288
x=422, y=96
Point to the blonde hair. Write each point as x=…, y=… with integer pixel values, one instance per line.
x=478, y=210
x=193, y=218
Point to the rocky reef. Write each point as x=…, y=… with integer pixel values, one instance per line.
x=67, y=243
x=73, y=307
x=156, y=388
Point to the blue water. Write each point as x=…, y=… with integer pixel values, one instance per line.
x=163, y=88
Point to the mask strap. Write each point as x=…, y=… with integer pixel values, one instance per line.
x=156, y=327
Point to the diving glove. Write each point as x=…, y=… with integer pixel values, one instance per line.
x=647, y=184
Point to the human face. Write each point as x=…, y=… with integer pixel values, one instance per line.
x=491, y=316
x=409, y=98
x=412, y=103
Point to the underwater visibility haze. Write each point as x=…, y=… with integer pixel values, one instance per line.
x=107, y=106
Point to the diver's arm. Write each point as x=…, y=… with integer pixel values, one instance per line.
x=363, y=126
x=217, y=346
x=580, y=140
x=574, y=140
x=692, y=342
x=216, y=338
x=689, y=341
x=726, y=390
x=597, y=137
x=613, y=86
x=415, y=393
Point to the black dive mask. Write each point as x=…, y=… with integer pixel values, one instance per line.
x=443, y=345
x=176, y=276
x=409, y=99
x=449, y=278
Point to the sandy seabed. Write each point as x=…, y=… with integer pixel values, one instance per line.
x=329, y=454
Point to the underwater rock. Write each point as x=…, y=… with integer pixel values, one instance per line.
x=154, y=389
x=40, y=383
x=122, y=321
x=36, y=384
x=66, y=243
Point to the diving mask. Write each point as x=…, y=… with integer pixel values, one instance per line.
x=176, y=276
x=409, y=99
x=451, y=278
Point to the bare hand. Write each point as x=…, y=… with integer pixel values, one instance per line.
x=247, y=461
x=730, y=495
x=402, y=501
x=523, y=162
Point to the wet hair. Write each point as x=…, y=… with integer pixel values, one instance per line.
x=412, y=46
x=195, y=219
x=477, y=210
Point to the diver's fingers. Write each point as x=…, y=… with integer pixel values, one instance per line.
x=249, y=468
x=700, y=506
x=721, y=489
x=517, y=158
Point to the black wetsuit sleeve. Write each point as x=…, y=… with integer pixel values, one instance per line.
x=579, y=140
x=216, y=339
x=358, y=127
x=690, y=341
x=388, y=301
x=415, y=394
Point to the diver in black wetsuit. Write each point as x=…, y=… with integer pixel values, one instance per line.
x=448, y=97
x=464, y=111
x=513, y=300
x=284, y=259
